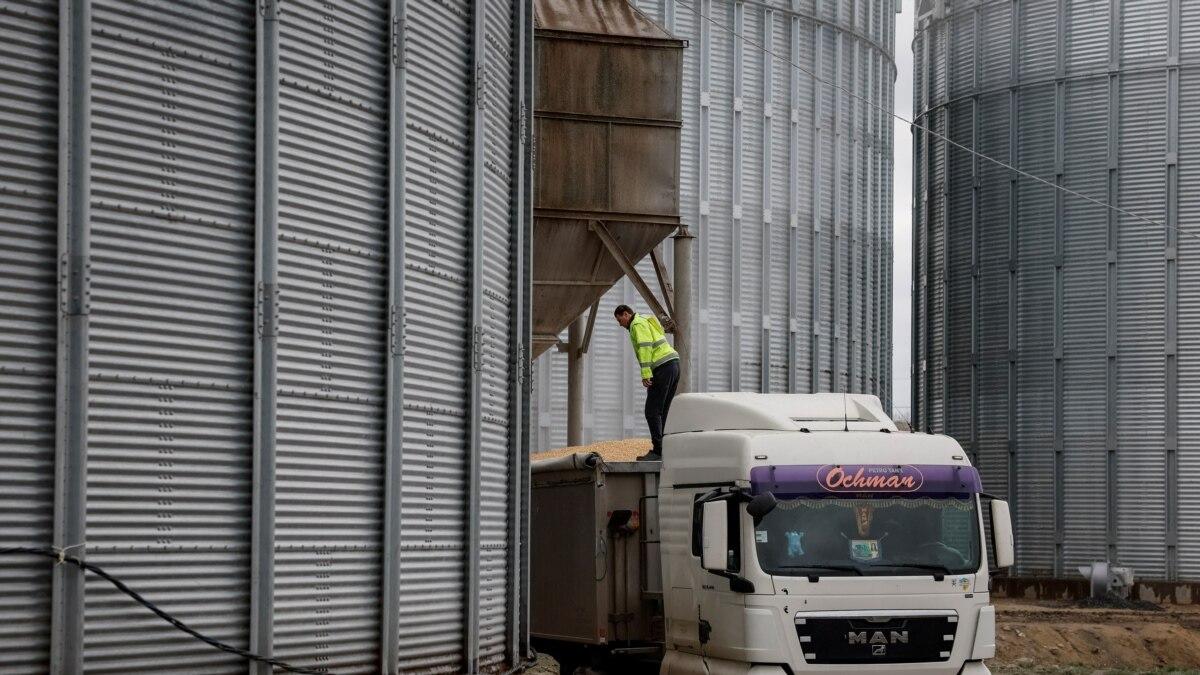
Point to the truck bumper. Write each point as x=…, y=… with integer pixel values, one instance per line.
x=680, y=663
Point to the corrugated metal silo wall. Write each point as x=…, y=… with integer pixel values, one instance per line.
x=1054, y=338
x=788, y=186
x=337, y=366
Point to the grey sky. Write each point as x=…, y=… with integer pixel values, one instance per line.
x=902, y=222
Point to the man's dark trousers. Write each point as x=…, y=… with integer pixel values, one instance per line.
x=658, y=399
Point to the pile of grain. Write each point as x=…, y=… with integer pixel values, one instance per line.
x=612, y=451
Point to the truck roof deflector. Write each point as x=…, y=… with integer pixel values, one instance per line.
x=742, y=411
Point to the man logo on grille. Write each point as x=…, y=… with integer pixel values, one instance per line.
x=877, y=639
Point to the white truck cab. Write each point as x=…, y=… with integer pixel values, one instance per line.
x=803, y=534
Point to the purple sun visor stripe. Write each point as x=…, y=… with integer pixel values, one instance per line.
x=858, y=479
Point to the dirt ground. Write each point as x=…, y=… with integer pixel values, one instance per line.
x=1062, y=637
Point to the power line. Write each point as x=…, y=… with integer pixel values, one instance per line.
x=892, y=113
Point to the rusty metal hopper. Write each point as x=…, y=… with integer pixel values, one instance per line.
x=607, y=115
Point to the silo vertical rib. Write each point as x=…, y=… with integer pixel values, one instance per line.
x=870, y=223
x=1110, y=431
x=852, y=223
x=837, y=223
x=735, y=286
x=266, y=272
x=394, y=424
x=815, y=331
x=793, y=201
x=475, y=326
x=702, y=193
x=1013, y=203
x=74, y=252
x=521, y=327
x=976, y=178
x=915, y=348
x=881, y=215
x=768, y=41
x=927, y=243
x=1059, y=308
x=944, y=225
x=1174, y=22
x=526, y=292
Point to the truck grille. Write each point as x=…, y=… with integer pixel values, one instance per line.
x=897, y=637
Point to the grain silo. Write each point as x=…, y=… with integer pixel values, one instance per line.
x=1057, y=339
x=787, y=184
x=264, y=286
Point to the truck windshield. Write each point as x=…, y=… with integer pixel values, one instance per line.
x=882, y=535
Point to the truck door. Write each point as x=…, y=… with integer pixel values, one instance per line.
x=719, y=608
x=680, y=568
x=698, y=599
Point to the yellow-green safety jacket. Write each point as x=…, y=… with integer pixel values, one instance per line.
x=650, y=344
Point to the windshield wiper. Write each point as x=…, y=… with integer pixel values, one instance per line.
x=939, y=571
x=816, y=577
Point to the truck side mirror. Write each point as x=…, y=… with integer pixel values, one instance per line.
x=760, y=506
x=714, y=540
x=1002, y=534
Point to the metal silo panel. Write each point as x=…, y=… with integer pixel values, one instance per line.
x=779, y=204
x=332, y=337
x=935, y=279
x=1085, y=495
x=29, y=325
x=436, y=349
x=962, y=54
x=938, y=84
x=553, y=403
x=1189, y=315
x=171, y=331
x=1086, y=48
x=1039, y=40
x=992, y=322
x=1144, y=32
x=804, y=102
x=996, y=30
x=748, y=253
x=1189, y=43
x=1141, y=288
x=960, y=240
x=825, y=190
x=1035, y=330
x=716, y=295
x=499, y=343
x=611, y=376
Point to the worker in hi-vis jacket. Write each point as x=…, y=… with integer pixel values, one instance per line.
x=659, y=363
